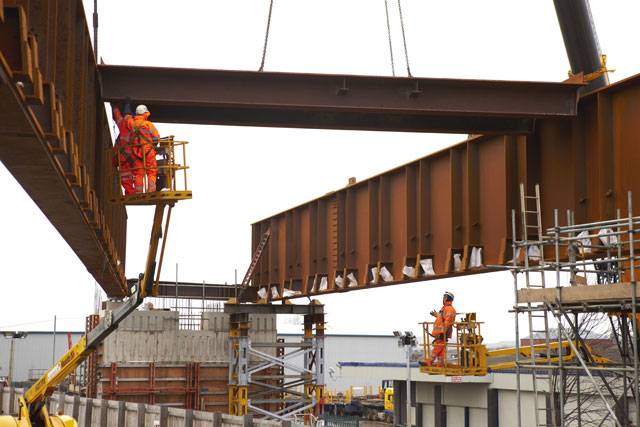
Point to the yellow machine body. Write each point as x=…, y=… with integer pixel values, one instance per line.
x=388, y=399
x=23, y=419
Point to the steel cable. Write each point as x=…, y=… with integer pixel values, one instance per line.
x=404, y=39
x=386, y=10
x=266, y=37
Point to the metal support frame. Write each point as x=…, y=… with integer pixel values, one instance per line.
x=267, y=378
x=604, y=250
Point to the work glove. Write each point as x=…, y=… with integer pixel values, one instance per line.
x=434, y=313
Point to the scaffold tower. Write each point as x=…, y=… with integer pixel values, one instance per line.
x=576, y=283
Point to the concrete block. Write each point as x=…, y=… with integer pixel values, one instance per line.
x=478, y=418
x=61, y=402
x=104, y=413
x=164, y=416
x=122, y=413
x=88, y=412
x=188, y=418
x=78, y=410
x=141, y=414
x=217, y=420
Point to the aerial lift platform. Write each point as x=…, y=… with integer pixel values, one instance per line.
x=32, y=405
x=467, y=355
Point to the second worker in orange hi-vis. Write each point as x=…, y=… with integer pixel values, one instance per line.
x=127, y=157
x=147, y=138
x=442, y=330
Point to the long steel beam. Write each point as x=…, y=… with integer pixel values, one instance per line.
x=248, y=98
x=449, y=205
x=54, y=133
x=191, y=290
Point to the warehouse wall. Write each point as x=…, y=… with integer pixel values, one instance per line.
x=355, y=348
x=35, y=353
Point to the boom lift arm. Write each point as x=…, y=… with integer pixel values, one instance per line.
x=32, y=408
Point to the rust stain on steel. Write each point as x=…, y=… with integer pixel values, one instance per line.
x=54, y=132
x=339, y=101
x=442, y=206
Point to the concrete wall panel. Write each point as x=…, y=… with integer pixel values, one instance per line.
x=428, y=414
x=424, y=393
x=507, y=404
x=455, y=416
x=478, y=417
x=471, y=395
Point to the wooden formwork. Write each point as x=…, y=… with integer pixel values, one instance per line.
x=201, y=386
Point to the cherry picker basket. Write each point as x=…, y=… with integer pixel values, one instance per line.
x=171, y=172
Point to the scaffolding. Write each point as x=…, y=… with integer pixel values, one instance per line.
x=280, y=381
x=576, y=283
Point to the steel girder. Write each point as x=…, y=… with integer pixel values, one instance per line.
x=449, y=213
x=54, y=133
x=249, y=98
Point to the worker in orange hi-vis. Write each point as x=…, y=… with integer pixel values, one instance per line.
x=147, y=138
x=127, y=158
x=442, y=330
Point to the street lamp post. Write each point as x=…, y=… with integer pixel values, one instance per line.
x=408, y=341
x=12, y=336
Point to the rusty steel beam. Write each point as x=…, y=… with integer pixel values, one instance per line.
x=444, y=206
x=190, y=290
x=53, y=131
x=248, y=98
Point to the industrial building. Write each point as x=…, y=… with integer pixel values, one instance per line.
x=541, y=184
x=33, y=354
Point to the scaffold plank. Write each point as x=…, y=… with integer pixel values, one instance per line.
x=618, y=292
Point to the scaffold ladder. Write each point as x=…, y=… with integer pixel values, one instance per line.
x=538, y=320
x=256, y=258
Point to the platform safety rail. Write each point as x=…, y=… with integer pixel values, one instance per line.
x=171, y=172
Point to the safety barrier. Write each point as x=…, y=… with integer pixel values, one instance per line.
x=469, y=354
x=337, y=421
x=111, y=413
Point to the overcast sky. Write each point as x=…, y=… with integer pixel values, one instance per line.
x=240, y=175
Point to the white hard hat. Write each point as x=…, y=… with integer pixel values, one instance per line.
x=141, y=109
x=448, y=295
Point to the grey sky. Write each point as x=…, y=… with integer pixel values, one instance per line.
x=240, y=175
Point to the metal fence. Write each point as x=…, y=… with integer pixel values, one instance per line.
x=336, y=421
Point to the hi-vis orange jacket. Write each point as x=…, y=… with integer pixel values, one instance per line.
x=145, y=131
x=443, y=326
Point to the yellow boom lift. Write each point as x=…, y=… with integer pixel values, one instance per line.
x=32, y=405
x=467, y=355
